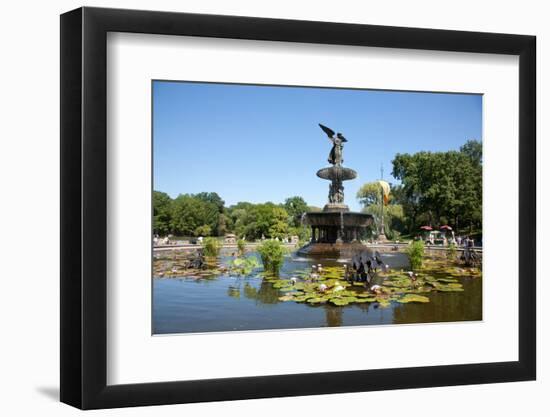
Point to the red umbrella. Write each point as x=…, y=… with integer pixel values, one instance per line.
x=446, y=227
x=425, y=227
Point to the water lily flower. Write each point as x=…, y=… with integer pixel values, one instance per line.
x=376, y=289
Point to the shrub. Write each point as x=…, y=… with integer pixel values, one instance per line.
x=451, y=252
x=272, y=253
x=415, y=251
x=211, y=247
x=203, y=230
x=241, y=245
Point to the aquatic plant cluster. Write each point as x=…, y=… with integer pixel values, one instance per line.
x=178, y=264
x=415, y=252
x=328, y=285
x=272, y=253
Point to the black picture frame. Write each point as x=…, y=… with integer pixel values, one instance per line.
x=84, y=207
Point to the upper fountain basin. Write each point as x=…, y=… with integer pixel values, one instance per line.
x=336, y=172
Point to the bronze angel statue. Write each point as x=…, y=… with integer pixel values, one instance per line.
x=335, y=155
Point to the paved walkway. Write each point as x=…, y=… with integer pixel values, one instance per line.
x=428, y=247
x=190, y=246
x=252, y=245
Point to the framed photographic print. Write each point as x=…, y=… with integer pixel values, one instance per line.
x=258, y=207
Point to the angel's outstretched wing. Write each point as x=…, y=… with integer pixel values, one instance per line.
x=327, y=130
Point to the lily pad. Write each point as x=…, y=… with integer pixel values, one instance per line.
x=369, y=298
x=420, y=290
x=316, y=300
x=364, y=300
x=447, y=289
x=447, y=280
x=342, y=301
x=413, y=298
x=281, y=283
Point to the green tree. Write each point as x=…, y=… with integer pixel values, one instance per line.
x=212, y=198
x=394, y=219
x=162, y=213
x=474, y=150
x=224, y=224
x=256, y=220
x=279, y=227
x=369, y=194
x=439, y=187
x=295, y=207
x=190, y=212
x=203, y=230
x=239, y=216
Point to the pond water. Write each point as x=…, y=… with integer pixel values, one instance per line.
x=229, y=303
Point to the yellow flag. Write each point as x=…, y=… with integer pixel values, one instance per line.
x=385, y=191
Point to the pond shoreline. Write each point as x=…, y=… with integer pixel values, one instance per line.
x=253, y=245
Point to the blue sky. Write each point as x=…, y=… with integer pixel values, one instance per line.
x=263, y=143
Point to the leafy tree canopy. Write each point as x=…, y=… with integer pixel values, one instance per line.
x=440, y=187
x=295, y=207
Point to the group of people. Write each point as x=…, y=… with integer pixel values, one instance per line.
x=161, y=241
x=469, y=255
x=467, y=241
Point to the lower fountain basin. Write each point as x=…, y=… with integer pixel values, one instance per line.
x=344, y=250
x=335, y=232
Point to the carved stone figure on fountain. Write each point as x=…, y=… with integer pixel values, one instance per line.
x=335, y=157
x=336, y=192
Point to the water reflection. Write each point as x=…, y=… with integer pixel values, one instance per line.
x=444, y=306
x=334, y=316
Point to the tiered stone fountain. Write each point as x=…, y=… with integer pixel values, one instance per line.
x=336, y=230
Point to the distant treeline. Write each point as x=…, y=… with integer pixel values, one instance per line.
x=205, y=214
